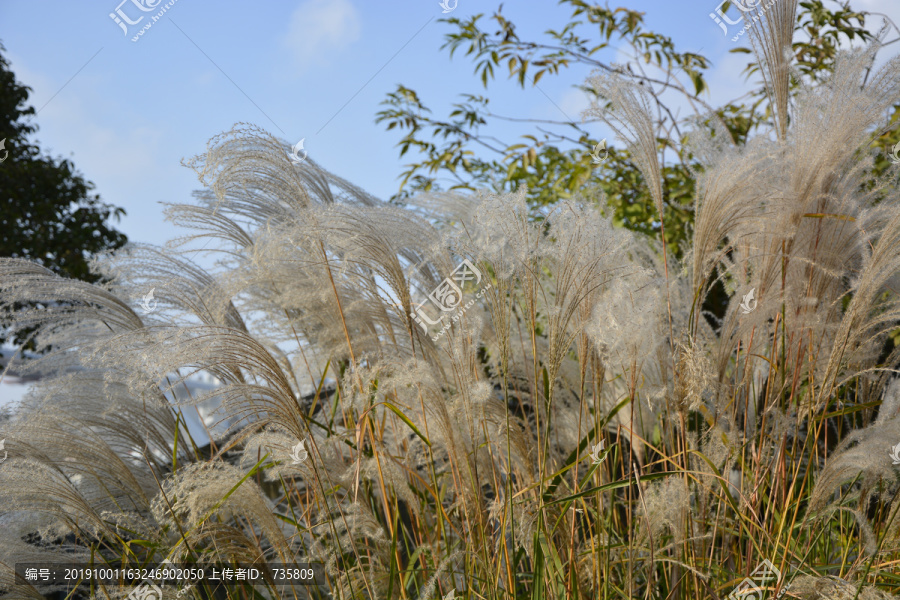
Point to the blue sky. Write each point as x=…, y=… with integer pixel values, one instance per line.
x=127, y=112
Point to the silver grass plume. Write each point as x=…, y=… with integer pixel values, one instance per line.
x=630, y=117
x=771, y=33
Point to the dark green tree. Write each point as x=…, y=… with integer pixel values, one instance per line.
x=47, y=210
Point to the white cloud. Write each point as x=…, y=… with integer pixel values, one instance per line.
x=318, y=29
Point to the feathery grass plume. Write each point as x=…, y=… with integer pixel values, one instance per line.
x=693, y=378
x=864, y=457
x=431, y=585
x=469, y=434
x=13, y=588
x=87, y=457
x=585, y=256
x=805, y=202
x=771, y=33
x=195, y=493
x=873, y=311
x=278, y=444
x=665, y=504
x=811, y=587
x=628, y=333
x=66, y=305
x=630, y=116
x=176, y=281
x=723, y=203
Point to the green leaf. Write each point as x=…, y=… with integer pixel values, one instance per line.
x=611, y=486
x=406, y=420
